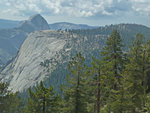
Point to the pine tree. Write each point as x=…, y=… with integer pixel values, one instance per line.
x=135, y=76
x=42, y=100
x=147, y=49
x=112, y=64
x=146, y=76
x=147, y=103
x=97, y=86
x=113, y=57
x=75, y=92
x=9, y=102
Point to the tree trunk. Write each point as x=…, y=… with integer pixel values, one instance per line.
x=98, y=92
x=43, y=110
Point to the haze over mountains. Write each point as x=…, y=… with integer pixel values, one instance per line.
x=12, y=38
x=66, y=25
x=6, y=24
x=45, y=53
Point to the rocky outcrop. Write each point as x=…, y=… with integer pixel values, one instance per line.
x=54, y=47
x=35, y=22
x=25, y=70
x=44, y=55
x=11, y=39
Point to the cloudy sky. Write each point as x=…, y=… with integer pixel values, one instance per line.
x=91, y=12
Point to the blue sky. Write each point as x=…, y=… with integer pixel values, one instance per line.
x=91, y=12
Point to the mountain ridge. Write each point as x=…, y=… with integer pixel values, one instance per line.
x=69, y=26
x=11, y=39
x=8, y=24
x=45, y=54
x=35, y=22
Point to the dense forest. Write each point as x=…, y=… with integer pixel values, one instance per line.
x=119, y=82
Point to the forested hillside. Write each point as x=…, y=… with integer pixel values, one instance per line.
x=91, y=44
x=44, y=55
x=116, y=82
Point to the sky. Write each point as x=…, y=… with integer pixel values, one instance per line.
x=91, y=12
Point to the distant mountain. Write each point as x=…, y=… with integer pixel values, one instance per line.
x=11, y=39
x=7, y=24
x=66, y=25
x=44, y=55
x=35, y=22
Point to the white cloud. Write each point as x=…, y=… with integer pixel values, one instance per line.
x=10, y=12
x=77, y=8
x=141, y=6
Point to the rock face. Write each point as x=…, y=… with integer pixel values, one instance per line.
x=10, y=42
x=56, y=47
x=26, y=71
x=11, y=39
x=35, y=22
x=44, y=55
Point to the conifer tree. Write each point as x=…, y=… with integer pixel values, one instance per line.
x=112, y=64
x=97, y=86
x=96, y=68
x=147, y=103
x=42, y=100
x=147, y=54
x=9, y=102
x=75, y=92
x=113, y=57
x=135, y=77
x=146, y=76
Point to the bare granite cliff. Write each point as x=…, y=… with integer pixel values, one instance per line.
x=25, y=70
x=41, y=53
x=44, y=55
x=12, y=39
x=35, y=22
